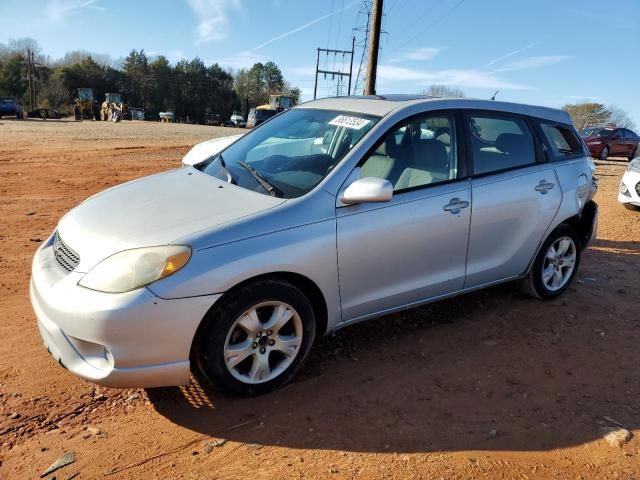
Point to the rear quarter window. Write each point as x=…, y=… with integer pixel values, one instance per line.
x=562, y=140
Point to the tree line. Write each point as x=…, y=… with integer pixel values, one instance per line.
x=189, y=88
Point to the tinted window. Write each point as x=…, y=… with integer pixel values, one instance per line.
x=499, y=143
x=562, y=140
x=629, y=134
x=417, y=153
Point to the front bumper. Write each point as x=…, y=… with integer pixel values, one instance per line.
x=630, y=188
x=133, y=339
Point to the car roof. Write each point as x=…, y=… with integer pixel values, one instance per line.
x=381, y=105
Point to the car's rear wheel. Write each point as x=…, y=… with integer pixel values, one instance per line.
x=604, y=153
x=256, y=338
x=555, y=266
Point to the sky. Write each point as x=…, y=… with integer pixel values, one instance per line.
x=543, y=52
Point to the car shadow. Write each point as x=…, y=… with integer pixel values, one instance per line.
x=490, y=370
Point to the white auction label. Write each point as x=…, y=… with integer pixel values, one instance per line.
x=349, y=122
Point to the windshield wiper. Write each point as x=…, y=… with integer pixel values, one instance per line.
x=223, y=165
x=273, y=191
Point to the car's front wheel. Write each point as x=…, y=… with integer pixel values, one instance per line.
x=604, y=153
x=256, y=338
x=555, y=266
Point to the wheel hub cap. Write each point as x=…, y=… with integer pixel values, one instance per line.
x=263, y=342
x=559, y=263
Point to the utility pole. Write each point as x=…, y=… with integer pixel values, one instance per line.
x=353, y=50
x=374, y=46
x=334, y=73
x=30, y=79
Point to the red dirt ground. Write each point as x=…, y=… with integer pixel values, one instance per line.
x=487, y=385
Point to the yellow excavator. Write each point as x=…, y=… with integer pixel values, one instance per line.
x=277, y=103
x=84, y=107
x=113, y=108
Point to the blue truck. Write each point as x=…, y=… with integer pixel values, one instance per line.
x=9, y=106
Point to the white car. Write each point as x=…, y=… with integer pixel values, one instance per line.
x=205, y=150
x=629, y=194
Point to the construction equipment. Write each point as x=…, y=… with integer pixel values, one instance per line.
x=84, y=107
x=113, y=108
x=277, y=103
x=167, y=117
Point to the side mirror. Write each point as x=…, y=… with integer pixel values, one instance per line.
x=368, y=190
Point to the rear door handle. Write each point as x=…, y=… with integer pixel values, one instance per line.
x=543, y=187
x=455, y=205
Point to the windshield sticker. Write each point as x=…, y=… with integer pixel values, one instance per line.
x=349, y=122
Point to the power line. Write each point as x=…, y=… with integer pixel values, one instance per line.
x=438, y=20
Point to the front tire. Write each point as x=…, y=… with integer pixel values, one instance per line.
x=555, y=266
x=604, y=153
x=255, y=340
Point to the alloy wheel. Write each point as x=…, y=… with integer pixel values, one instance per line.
x=559, y=263
x=263, y=342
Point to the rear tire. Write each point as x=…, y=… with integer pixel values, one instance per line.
x=555, y=266
x=604, y=153
x=239, y=347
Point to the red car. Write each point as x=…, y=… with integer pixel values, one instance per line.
x=606, y=142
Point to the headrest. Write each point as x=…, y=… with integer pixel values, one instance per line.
x=511, y=142
x=430, y=153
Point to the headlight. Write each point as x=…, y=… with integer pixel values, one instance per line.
x=132, y=269
x=634, y=166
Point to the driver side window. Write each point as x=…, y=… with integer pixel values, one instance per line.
x=419, y=152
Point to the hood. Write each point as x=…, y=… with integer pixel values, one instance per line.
x=155, y=210
x=201, y=151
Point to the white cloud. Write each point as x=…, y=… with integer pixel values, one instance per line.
x=419, y=54
x=61, y=9
x=533, y=62
x=511, y=54
x=212, y=18
x=306, y=71
x=471, y=78
x=239, y=60
x=304, y=26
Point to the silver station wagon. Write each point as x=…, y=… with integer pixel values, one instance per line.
x=333, y=212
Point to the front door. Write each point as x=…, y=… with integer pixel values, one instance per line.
x=413, y=247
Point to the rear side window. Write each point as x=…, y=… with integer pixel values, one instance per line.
x=499, y=143
x=562, y=140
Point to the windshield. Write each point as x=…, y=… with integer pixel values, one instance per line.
x=596, y=132
x=85, y=95
x=292, y=152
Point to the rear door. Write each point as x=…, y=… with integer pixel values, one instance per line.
x=618, y=146
x=629, y=142
x=515, y=196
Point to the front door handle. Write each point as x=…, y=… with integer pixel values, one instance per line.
x=455, y=205
x=543, y=187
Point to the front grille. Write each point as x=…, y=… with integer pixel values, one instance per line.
x=65, y=256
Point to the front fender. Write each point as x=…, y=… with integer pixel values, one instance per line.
x=307, y=250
